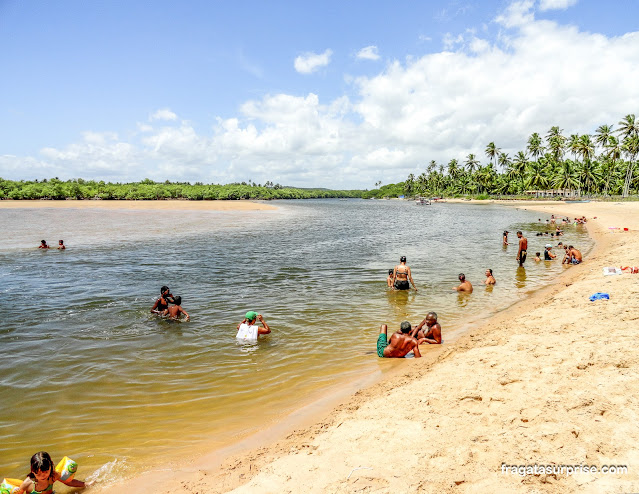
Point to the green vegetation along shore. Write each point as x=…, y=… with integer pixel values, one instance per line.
x=150, y=190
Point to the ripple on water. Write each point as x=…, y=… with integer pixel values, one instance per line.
x=119, y=388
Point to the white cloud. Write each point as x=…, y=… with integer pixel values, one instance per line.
x=440, y=106
x=556, y=4
x=368, y=53
x=310, y=62
x=163, y=114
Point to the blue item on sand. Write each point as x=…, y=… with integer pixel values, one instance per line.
x=599, y=296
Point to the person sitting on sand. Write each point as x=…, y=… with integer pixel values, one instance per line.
x=548, y=253
x=490, y=279
x=247, y=330
x=537, y=257
x=61, y=245
x=400, y=343
x=162, y=303
x=43, y=245
x=389, y=280
x=175, y=310
x=523, y=248
x=433, y=334
x=574, y=256
x=401, y=276
x=464, y=285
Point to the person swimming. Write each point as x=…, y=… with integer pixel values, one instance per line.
x=43, y=245
x=61, y=245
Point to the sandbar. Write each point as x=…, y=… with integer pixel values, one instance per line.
x=241, y=205
x=550, y=381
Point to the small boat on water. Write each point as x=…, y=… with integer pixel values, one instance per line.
x=422, y=201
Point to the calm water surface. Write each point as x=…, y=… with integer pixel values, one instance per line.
x=87, y=371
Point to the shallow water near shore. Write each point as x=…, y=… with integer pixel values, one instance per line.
x=89, y=373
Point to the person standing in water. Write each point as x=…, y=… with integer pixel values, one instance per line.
x=43, y=245
x=247, y=330
x=162, y=303
x=464, y=285
x=175, y=310
x=389, y=280
x=61, y=245
x=506, y=232
x=490, y=279
x=402, y=275
x=523, y=249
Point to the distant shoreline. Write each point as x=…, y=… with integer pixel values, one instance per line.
x=168, y=204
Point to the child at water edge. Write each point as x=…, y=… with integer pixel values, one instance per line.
x=43, y=476
x=389, y=280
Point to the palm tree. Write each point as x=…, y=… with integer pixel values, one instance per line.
x=589, y=175
x=537, y=174
x=628, y=126
x=409, y=185
x=613, y=154
x=631, y=148
x=556, y=143
x=492, y=152
x=585, y=147
x=602, y=134
x=431, y=166
x=535, y=146
x=453, y=170
x=519, y=167
x=573, y=144
x=471, y=163
x=566, y=177
x=504, y=160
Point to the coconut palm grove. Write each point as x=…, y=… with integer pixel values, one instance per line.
x=599, y=165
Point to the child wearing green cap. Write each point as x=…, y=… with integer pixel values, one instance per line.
x=247, y=330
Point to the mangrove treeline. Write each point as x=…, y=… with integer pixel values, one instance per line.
x=600, y=164
x=150, y=190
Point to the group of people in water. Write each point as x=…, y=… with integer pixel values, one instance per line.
x=44, y=245
x=163, y=309
x=408, y=339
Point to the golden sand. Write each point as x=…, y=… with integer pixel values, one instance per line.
x=550, y=381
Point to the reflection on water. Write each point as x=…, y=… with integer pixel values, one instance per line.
x=520, y=277
x=111, y=382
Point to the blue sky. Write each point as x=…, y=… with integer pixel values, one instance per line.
x=329, y=94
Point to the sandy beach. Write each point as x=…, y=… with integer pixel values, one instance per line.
x=143, y=205
x=550, y=381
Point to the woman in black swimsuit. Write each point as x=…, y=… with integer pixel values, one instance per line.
x=402, y=275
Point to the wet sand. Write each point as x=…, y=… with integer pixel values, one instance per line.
x=143, y=205
x=550, y=381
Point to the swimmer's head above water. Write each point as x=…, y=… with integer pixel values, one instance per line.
x=164, y=289
x=402, y=259
x=177, y=300
x=462, y=277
